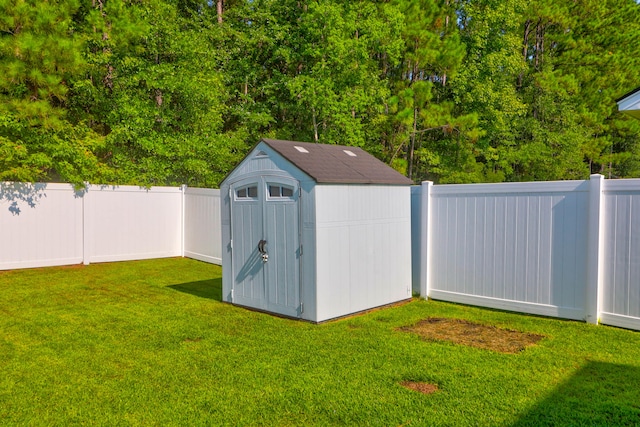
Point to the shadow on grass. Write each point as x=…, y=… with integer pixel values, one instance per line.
x=211, y=289
x=599, y=394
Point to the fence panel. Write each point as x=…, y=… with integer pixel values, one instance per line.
x=202, y=226
x=40, y=225
x=620, y=293
x=130, y=223
x=516, y=246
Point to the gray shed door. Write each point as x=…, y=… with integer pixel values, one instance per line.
x=265, y=234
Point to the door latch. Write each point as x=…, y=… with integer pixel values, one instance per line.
x=263, y=251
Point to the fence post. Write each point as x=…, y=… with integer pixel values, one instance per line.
x=183, y=191
x=425, y=239
x=86, y=225
x=416, y=238
x=595, y=250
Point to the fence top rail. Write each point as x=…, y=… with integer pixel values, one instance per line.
x=612, y=185
x=511, y=188
x=23, y=187
x=35, y=186
x=203, y=191
x=133, y=189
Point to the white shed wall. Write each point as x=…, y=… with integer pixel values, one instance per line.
x=202, y=239
x=363, y=247
x=40, y=225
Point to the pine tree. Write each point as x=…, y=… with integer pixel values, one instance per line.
x=40, y=55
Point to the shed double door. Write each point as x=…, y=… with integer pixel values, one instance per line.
x=265, y=251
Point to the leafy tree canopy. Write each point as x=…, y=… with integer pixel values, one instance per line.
x=166, y=92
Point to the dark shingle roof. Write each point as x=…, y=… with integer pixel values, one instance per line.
x=628, y=94
x=337, y=164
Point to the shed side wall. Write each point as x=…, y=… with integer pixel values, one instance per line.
x=363, y=247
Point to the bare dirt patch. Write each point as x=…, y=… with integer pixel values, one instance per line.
x=425, y=388
x=473, y=334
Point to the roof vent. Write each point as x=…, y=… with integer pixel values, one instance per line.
x=350, y=153
x=261, y=154
x=300, y=149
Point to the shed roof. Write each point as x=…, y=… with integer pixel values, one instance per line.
x=337, y=164
x=630, y=103
x=628, y=94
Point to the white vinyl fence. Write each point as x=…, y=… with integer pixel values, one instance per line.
x=202, y=226
x=53, y=224
x=567, y=249
x=620, y=292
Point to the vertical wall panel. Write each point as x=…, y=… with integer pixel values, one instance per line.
x=499, y=251
x=202, y=225
x=514, y=246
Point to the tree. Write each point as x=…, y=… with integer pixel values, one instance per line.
x=154, y=93
x=542, y=77
x=39, y=58
x=176, y=91
x=426, y=124
x=340, y=86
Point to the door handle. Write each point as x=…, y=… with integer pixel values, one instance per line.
x=261, y=249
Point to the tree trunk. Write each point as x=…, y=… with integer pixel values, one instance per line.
x=219, y=10
x=315, y=125
x=525, y=49
x=413, y=141
x=539, y=44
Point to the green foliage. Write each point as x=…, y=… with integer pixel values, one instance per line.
x=155, y=94
x=543, y=78
x=159, y=92
x=39, y=56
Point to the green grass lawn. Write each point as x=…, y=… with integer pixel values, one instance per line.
x=150, y=343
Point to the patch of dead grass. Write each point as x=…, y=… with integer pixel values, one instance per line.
x=424, y=388
x=463, y=332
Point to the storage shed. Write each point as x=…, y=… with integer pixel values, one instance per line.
x=315, y=231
